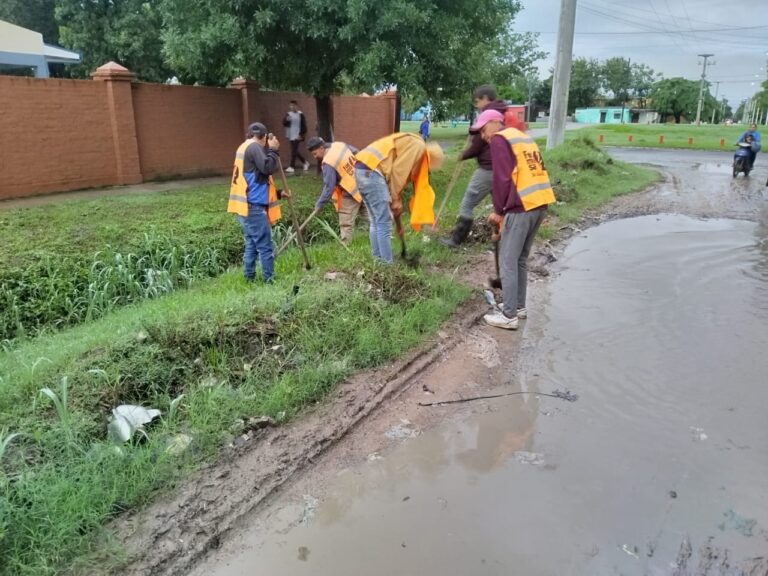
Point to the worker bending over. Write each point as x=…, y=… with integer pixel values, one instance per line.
x=382, y=170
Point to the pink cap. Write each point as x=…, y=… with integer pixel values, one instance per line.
x=485, y=117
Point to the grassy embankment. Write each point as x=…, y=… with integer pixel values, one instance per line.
x=208, y=355
x=675, y=135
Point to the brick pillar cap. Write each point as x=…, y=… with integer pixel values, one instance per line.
x=244, y=83
x=113, y=71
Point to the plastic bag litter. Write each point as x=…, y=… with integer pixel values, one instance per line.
x=127, y=419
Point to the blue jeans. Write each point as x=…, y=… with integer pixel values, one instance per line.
x=258, y=242
x=375, y=192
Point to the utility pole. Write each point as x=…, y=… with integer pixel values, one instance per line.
x=558, y=109
x=701, y=88
x=717, y=89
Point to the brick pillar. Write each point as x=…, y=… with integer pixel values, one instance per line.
x=118, y=81
x=248, y=89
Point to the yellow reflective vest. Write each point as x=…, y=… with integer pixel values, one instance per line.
x=339, y=156
x=422, y=203
x=530, y=176
x=238, y=190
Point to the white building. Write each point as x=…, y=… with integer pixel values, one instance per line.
x=22, y=48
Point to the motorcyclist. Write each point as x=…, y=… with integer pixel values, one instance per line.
x=754, y=140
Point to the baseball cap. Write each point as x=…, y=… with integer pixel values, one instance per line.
x=258, y=129
x=485, y=117
x=314, y=143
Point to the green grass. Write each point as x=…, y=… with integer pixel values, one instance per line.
x=211, y=354
x=444, y=132
x=588, y=178
x=440, y=131
x=675, y=135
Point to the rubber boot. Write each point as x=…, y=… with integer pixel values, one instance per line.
x=459, y=233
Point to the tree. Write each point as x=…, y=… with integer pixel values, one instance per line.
x=512, y=56
x=37, y=15
x=585, y=83
x=543, y=93
x=437, y=48
x=126, y=31
x=739, y=114
x=676, y=97
x=617, y=78
x=643, y=78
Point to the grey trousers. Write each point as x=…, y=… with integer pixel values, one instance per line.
x=514, y=247
x=478, y=188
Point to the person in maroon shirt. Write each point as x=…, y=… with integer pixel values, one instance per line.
x=480, y=184
x=519, y=226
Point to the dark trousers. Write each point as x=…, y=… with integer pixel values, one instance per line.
x=295, y=154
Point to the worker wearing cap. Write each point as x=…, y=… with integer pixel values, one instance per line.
x=382, y=170
x=253, y=197
x=521, y=193
x=338, y=162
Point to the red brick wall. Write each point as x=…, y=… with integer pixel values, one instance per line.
x=186, y=130
x=60, y=135
x=54, y=135
x=359, y=120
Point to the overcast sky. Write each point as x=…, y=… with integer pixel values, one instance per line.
x=665, y=34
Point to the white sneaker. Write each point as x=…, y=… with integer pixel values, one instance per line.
x=499, y=320
x=522, y=313
x=289, y=170
x=306, y=166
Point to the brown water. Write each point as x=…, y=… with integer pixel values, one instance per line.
x=660, y=324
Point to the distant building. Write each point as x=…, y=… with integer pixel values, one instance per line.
x=613, y=115
x=22, y=48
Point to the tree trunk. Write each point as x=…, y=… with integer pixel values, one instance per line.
x=324, y=106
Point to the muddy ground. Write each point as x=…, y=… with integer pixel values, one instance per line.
x=354, y=425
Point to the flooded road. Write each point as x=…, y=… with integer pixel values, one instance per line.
x=700, y=183
x=660, y=325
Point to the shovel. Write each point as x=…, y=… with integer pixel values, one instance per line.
x=295, y=219
x=451, y=185
x=413, y=260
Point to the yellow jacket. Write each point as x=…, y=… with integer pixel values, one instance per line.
x=402, y=158
x=339, y=157
x=530, y=176
x=238, y=190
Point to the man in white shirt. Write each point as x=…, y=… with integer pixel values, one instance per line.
x=295, y=130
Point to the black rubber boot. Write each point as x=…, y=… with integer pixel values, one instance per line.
x=459, y=233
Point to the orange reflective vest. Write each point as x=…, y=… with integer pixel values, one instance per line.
x=238, y=190
x=530, y=176
x=339, y=156
x=423, y=200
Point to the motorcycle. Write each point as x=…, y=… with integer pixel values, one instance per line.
x=742, y=158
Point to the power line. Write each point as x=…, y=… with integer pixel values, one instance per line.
x=635, y=33
x=613, y=6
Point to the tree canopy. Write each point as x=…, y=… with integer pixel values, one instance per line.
x=586, y=79
x=676, y=97
x=126, y=31
x=430, y=49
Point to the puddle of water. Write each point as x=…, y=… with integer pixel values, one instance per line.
x=659, y=324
